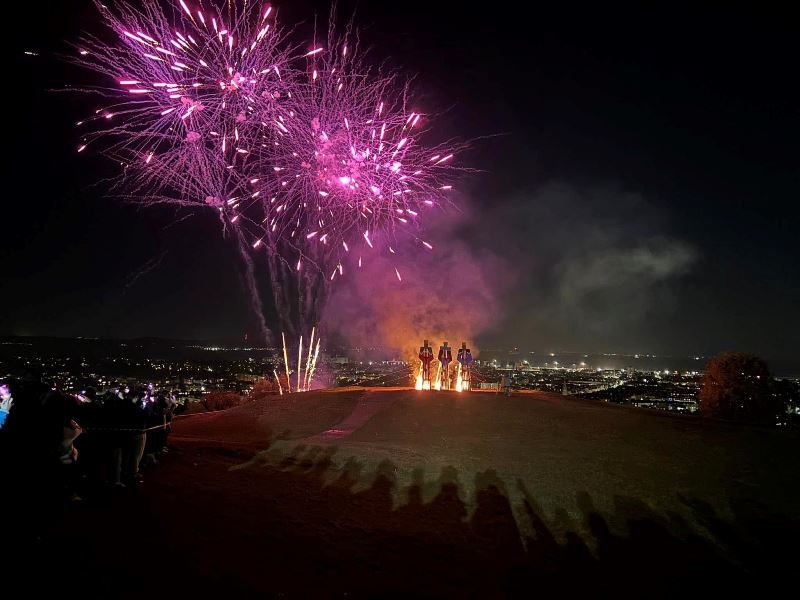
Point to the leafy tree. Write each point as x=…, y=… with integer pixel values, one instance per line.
x=737, y=386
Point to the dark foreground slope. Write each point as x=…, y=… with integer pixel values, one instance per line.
x=438, y=494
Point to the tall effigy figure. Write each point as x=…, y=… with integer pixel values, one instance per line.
x=465, y=359
x=426, y=357
x=445, y=358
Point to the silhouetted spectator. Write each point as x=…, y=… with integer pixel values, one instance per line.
x=134, y=424
x=93, y=445
x=169, y=406
x=154, y=412
x=5, y=402
x=115, y=408
x=59, y=431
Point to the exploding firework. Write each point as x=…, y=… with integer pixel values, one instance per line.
x=312, y=158
x=350, y=167
x=349, y=175
x=186, y=93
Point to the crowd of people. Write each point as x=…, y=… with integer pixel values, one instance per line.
x=67, y=445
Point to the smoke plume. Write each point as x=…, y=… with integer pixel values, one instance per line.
x=448, y=294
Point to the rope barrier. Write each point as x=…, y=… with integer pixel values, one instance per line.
x=139, y=430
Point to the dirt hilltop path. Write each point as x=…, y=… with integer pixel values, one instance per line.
x=258, y=423
x=367, y=406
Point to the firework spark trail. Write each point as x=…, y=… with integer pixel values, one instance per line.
x=286, y=364
x=306, y=383
x=314, y=364
x=144, y=269
x=277, y=379
x=250, y=283
x=300, y=365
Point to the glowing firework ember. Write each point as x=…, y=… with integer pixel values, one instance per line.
x=305, y=155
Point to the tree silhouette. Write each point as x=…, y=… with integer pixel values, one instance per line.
x=737, y=386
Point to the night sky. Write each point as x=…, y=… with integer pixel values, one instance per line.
x=643, y=195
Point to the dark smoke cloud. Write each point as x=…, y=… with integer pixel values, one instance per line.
x=595, y=267
x=623, y=278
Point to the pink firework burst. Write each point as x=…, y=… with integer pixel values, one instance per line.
x=350, y=167
x=181, y=81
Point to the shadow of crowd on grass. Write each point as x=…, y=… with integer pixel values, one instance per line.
x=446, y=548
x=301, y=523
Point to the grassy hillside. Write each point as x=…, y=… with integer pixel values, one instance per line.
x=365, y=492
